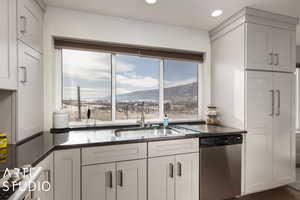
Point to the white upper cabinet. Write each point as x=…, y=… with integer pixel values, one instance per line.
x=8, y=55
x=259, y=47
x=269, y=48
x=30, y=23
x=284, y=50
x=30, y=92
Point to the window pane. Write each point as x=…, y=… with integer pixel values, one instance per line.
x=180, y=89
x=90, y=72
x=137, y=81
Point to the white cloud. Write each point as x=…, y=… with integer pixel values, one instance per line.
x=136, y=83
x=91, y=66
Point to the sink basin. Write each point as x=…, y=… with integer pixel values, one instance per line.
x=146, y=132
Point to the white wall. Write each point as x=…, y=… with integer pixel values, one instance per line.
x=82, y=25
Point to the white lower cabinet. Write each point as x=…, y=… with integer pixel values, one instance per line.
x=161, y=182
x=45, y=181
x=270, y=141
x=118, y=180
x=284, y=138
x=67, y=174
x=99, y=182
x=174, y=177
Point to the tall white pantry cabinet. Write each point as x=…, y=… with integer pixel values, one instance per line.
x=21, y=64
x=253, y=86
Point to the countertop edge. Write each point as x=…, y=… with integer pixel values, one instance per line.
x=129, y=141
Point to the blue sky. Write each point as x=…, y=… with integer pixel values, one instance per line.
x=92, y=71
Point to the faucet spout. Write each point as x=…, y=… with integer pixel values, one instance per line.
x=141, y=122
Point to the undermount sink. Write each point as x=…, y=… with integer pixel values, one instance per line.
x=146, y=132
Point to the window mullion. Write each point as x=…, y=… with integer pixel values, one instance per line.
x=200, y=90
x=113, y=86
x=161, y=89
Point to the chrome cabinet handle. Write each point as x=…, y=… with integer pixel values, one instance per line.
x=278, y=103
x=120, y=178
x=272, y=97
x=179, y=169
x=272, y=58
x=109, y=178
x=48, y=174
x=23, y=21
x=25, y=74
x=171, y=170
x=277, y=59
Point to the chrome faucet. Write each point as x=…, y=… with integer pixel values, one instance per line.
x=141, y=122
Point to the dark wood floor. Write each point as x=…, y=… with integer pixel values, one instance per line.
x=283, y=193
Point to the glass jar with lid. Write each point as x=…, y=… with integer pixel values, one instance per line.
x=212, y=115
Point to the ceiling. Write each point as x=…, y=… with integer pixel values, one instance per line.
x=187, y=13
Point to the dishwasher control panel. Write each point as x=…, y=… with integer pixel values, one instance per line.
x=221, y=140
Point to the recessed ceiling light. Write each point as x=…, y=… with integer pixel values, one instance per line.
x=151, y=1
x=217, y=13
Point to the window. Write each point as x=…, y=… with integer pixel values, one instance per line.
x=113, y=83
x=137, y=87
x=181, y=89
x=87, y=77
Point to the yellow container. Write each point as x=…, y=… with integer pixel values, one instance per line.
x=3, y=155
x=3, y=140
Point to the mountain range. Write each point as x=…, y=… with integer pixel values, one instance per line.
x=175, y=93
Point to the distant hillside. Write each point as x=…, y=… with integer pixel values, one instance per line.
x=176, y=93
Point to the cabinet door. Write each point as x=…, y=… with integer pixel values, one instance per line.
x=30, y=29
x=161, y=181
x=99, y=182
x=187, y=177
x=67, y=175
x=30, y=92
x=284, y=47
x=46, y=179
x=259, y=122
x=8, y=70
x=284, y=130
x=258, y=162
x=132, y=180
x=258, y=47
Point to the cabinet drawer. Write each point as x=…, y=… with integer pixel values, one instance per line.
x=172, y=147
x=93, y=155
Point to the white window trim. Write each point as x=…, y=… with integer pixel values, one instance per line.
x=298, y=100
x=59, y=96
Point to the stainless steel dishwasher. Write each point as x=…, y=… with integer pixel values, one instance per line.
x=220, y=167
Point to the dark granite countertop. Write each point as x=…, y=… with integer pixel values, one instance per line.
x=36, y=149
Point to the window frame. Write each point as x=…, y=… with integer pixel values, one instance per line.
x=298, y=98
x=59, y=91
